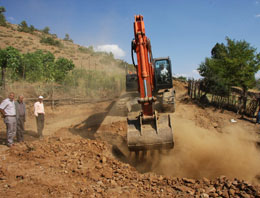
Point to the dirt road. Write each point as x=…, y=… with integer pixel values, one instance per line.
x=83, y=154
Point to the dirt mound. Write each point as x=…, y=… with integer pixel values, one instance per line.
x=84, y=154
x=75, y=167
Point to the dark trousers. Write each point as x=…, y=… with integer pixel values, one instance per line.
x=258, y=118
x=20, y=129
x=40, y=124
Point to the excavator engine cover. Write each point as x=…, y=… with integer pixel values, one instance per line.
x=150, y=134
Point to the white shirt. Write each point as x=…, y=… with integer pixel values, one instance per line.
x=164, y=72
x=38, y=108
x=8, y=106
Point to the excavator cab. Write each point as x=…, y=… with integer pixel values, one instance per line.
x=163, y=73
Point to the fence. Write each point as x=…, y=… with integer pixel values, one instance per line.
x=233, y=102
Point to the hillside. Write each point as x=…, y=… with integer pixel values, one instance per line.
x=81, y=56
x=96, y=74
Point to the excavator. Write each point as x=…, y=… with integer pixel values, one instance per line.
x=150, y=129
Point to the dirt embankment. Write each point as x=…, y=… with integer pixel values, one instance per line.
x=82, y=155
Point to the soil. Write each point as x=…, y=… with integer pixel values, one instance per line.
x=84, y=154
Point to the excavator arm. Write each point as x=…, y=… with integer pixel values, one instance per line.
x=142, y=47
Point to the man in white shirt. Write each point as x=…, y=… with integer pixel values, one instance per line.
x=7, y=108
x=39, y=113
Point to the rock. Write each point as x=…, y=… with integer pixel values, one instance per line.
x=204, y=195
x=235, y=182
x=210, y=190
x=212, y=194
x=107, y=173
x=225, y=194
x=228, y=184
x=215, y=125
x=222, y=178
x=184, y=189
x=244, y=194
x=113, y=182
x=104, y=159
x=6, y=186
x=206, y=181
x=191, y=181
x=98, y=189
x=98, y=166
x=232, y=192
x=100, y=183
x=160, y=178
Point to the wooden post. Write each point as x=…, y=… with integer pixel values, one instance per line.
x=195, y=89
x=52, y=97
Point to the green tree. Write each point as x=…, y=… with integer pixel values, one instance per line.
x=46, y=30
x=62, y=67
x=2, y=17
x=33, y=66
x=67, y=38
x=14, y=63
x=3, y=64
x=233, y=64
x=10, y=62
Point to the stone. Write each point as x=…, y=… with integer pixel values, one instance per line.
x=191, y=181
x=225, y=194
x=206, y=181
x=100, y=183
x=113, y=182
x=222, y=178
x=160, y=178
x=210, y=190
x=182, y=188
x=215, y=125
x=104, y=159
x=232, y=192
x=204, y=195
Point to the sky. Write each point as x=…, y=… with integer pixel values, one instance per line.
x=184, y=30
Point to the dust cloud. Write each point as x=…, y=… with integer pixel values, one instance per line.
x=202, y=153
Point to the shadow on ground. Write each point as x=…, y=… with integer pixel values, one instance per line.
x=89, y=127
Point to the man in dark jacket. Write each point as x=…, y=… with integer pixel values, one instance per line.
x=20, y=116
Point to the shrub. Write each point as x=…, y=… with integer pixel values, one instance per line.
x=51, y=41
x=2, y=17
x=88, y=50
x=23, y=27
x=46, y=30
x=67, y=38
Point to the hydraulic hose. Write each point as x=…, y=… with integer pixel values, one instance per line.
x=132, y=52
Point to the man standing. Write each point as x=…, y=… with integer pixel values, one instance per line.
x=39, y=113
x=20, y=118
x=7, y=108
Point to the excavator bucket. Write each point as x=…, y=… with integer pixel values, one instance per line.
x=155, y=133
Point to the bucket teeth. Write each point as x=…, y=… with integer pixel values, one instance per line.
x=157, y=134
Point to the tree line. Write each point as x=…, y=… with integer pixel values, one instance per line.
x=33, y=66
x=24, y=27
